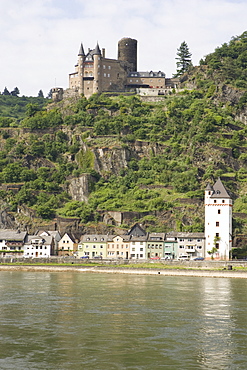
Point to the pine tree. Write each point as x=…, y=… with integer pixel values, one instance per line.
x=40, y=94
x=183, y=59
x=15, y=92
x=6, y=91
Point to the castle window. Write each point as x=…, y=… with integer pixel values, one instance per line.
x=130, y=80
x=104, y=74
x=109, y=67
x=217, y=223
x=218, y=211
x=217, y=235
x=223, y=201
x=215, y=201
x=104, y=66
x=108, y=75
x=217, y=245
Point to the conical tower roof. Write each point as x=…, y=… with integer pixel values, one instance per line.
x=81, y=51
x=219, y=190
x=209, y=187
x=97, y=50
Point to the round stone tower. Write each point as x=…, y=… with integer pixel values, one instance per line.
x=127, y=51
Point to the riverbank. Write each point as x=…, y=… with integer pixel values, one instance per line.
x=124, y=270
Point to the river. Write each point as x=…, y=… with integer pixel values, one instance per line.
x=73, y=320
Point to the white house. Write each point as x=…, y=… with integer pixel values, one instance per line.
x=218, y=221
x=38, y=246
x=11, y=242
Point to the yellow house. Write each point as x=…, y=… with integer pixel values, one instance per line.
x=67, y=245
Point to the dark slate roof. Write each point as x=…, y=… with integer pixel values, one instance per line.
x=97, y=50
x=81, y=51
x=219, y=191
x=147, y=74
x=137, y=230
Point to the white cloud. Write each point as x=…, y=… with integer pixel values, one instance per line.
x=40, y=38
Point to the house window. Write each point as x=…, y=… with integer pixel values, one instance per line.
x=218, y=211
x=217, y=223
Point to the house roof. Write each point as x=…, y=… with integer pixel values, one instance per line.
x=46, y=240
x=56, y=235
x=180, y=234
x=9, y=234
x=147, y=74
x=156, y=236
x=90, y=238
x=137, y=230
x=219, y=191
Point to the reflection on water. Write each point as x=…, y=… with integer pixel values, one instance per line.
x=98, y=321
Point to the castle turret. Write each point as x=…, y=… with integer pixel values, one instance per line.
x=81, y=59
x=127, y=52
x=96, y=59
x=218, y=221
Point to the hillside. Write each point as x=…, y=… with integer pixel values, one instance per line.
x=108, y=161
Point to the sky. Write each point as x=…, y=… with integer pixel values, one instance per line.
x=40, y=39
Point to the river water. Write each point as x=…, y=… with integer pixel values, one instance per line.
x=73, y=320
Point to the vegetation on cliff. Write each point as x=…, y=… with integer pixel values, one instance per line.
x=150, y=158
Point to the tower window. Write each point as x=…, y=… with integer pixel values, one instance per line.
x=217, y=223
x=219, y=211
x=223, y=201
x=217, y=245
x=215, y=201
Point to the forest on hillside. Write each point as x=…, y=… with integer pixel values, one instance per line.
x=187, y=139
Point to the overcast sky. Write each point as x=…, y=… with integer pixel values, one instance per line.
x=40, y=39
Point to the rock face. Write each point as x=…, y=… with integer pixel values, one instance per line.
x=79, y=187
x=6, y=220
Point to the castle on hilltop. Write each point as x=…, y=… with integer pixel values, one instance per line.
x=95, y=73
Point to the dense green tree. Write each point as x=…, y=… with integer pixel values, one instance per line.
x=183, y=59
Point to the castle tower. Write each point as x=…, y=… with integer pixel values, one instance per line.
x=96, y=73
x=81, y=59
x=218, y=221
x=127, y=52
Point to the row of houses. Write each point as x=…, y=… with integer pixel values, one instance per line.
x=136, y=244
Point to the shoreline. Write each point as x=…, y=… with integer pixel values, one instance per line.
x=133, y=271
